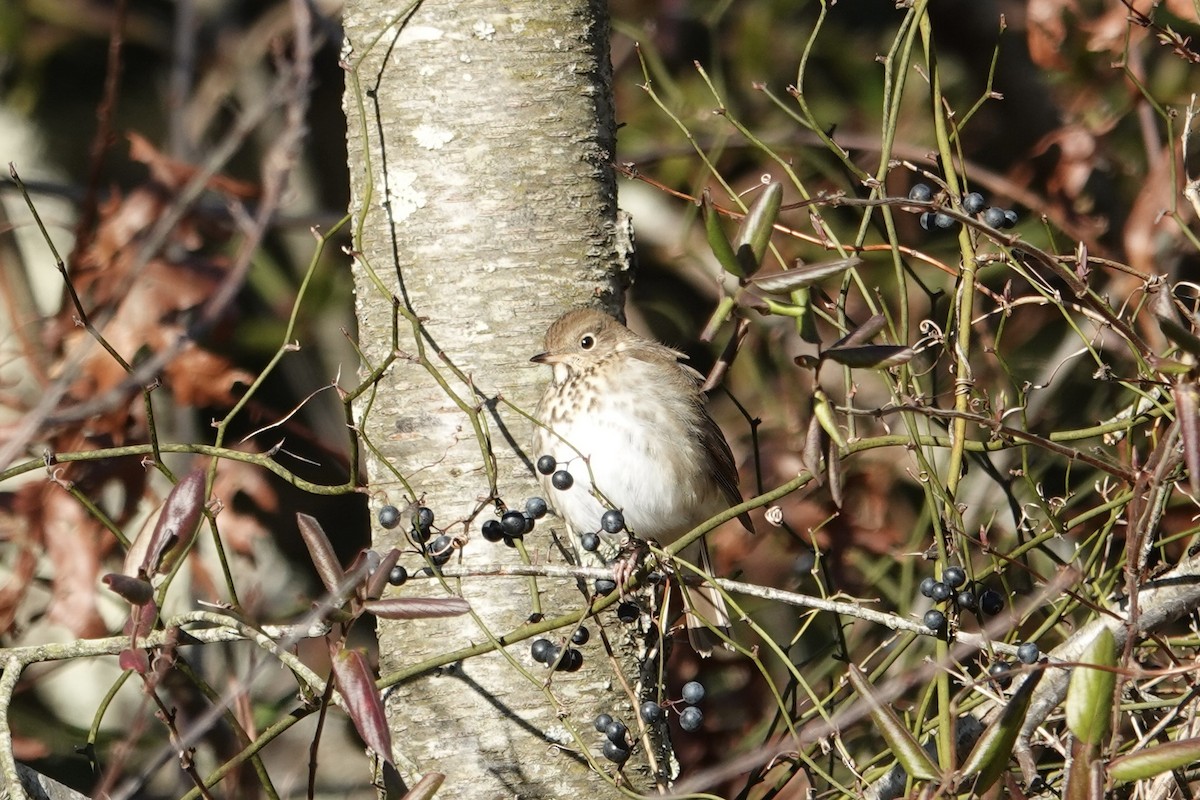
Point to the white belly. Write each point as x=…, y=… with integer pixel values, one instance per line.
x=643, y=460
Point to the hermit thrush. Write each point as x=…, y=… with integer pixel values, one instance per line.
x=627, y=420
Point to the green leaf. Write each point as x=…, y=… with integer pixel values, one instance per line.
x=871, y=356
x=904, y=746
x=784, y=283
x=823, y=411
x=1090, y=694
x=989, y=758
x=1172, y=327
x=863, y=333
x=755, y=233
x=806, y=319
x=1155, y=760
x=717, y=240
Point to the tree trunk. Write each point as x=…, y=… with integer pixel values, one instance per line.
x=481, y=138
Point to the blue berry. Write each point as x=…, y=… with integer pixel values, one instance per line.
x=651, y=712
x=605, y=586
x=691, y=719
x=927, y=586
x=1028, y=653
x=543, y=651
x=967, y=600
x=581, y=635
x=613, y=521
x=615, y=732
x=943, y=221
x=973, y=203
x=546, y=465
x=602, y=722
x=513, y=523
x=940, y=591
x=920, y=192
x=589, y=542
x=389, y=517
x=440, y=550
x=536, y=507
x=562, y=480
x=492, y=531
x=994, y=217
x=934, y=619
x=627, y=612
x=424, y=518
x=927, y=220
x=397, y=575
x=991, y=602
x=571, y=661
x=615, y=752
x=1010, y=218
x=693, y=692
x=999, y=671
x=954, y=577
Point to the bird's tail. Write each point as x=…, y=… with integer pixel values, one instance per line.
x=705, y=612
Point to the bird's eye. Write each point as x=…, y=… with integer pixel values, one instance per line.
x=587, y=342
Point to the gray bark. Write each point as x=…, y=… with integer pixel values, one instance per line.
x=484, y=198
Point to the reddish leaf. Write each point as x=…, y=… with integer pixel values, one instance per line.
x=363, y=704
x=321, y=552
x=427, y=787
x=1046, y=30
x=177, y=524
x=136, y=660
x=417, y=607
x=134, y=591
x=379, y=577
x=172, y=172
x=834, y=462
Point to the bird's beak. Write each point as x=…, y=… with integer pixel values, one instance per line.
x=544, y=358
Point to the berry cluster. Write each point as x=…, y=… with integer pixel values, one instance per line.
x=616, y=745
x=559, y=478
x=973, y=203
x=613, y=521
x=439, y=550
x=616, y=738
x=1027, y=653
x=547, y=652
x=690, y=719
x=953, y=587
x=513, y=525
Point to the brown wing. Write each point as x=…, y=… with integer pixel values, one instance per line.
x=715, y=446
x=721, y=457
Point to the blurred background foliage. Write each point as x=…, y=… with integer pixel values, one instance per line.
x=1069, y=111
